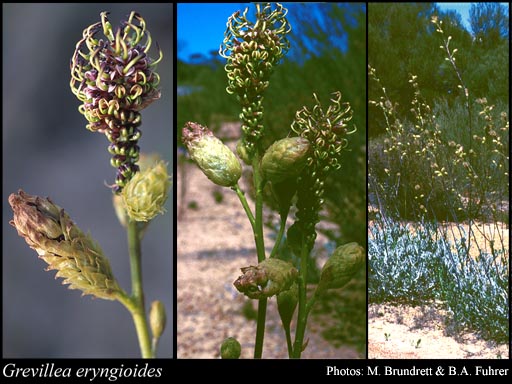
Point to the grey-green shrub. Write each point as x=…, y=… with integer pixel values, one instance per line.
x=415, y=268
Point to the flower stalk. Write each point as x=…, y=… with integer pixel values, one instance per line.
x=137, y=297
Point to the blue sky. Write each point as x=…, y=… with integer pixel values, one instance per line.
x=201, y=26
x=462, y=9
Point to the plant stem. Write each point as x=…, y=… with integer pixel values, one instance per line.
x=280, y=234
x=302, y=316
x=154, y=344
x=247, y=209
x=310, y=303
x=260, y=250
x=136, y=301
x=289, y=344
x=258, y=231
x=260, y=328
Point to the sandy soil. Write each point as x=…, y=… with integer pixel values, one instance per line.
x=214, y=242
x=401, y=332
x=482, y=235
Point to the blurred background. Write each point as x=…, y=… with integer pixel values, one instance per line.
x=47, y=151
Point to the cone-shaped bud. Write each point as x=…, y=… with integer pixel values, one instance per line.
x=214, y=158
x=283, y=193
x=294, y=239
x=145, y=194
x=63, y=246
x=341, y=266
x=268, y=278
x=284, y=159
x=286, y=304
x=230, y=348
x=157, y=318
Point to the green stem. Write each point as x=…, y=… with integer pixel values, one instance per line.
x=302, y=316
x=154, y=344
x=247, y=209
x=260, y=250
x=139, y=319
x=288, y=341
x=310, y=303
x=282, y=225
x=260, y=328
x=135, y=303
x=258, y=230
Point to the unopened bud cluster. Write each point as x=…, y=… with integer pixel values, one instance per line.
x=146, y=193
x=48, y=230
x=212, y=156
x=341, y=266
x=266, y=279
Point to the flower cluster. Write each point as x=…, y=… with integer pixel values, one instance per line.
x=252, y=50
x=326, y=131
x=115, y=80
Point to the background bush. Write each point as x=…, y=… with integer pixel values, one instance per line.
x=438, y=157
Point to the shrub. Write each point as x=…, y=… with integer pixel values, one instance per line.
x=477, y=293
x=414, y=265
x=404, y=265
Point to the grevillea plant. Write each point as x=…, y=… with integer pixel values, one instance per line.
x=297, y=165
x=114, y=77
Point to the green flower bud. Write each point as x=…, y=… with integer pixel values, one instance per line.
x=241, y=150
x=48, y=230
x=145, y=194
x=341, y=266
x=286, y=304
x=283, y=193
x=294, y=239
x=157, y=318
x=230, y=348
x=214, y=158
x=285, y=159
x=268, y=278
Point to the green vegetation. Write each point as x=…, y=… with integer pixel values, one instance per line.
x=438, y=165
x=403, y=41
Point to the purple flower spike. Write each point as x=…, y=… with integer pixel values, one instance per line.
x=115, y=80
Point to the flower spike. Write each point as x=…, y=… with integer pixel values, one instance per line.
x=115, y=80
